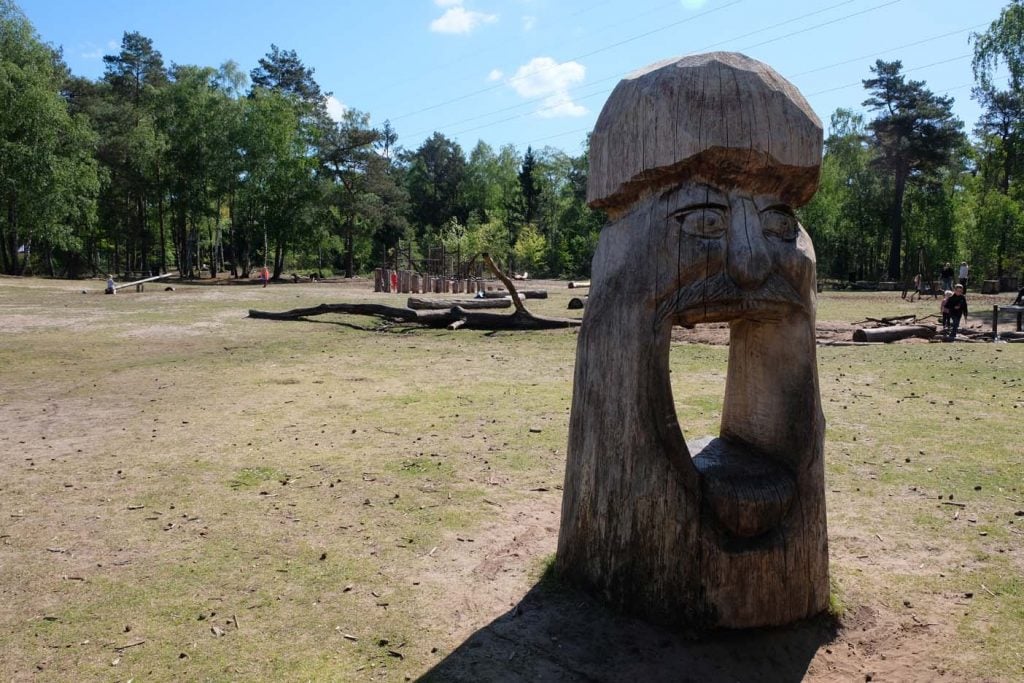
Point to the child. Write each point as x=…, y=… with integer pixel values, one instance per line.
x=111, y=288
x=944, y=309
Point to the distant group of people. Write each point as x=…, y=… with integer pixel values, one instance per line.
x=947, y=275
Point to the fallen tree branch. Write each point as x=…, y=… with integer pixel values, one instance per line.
x=456, y=317
x=517, y=301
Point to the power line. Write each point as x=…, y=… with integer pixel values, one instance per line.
x=775, y=39
x=827, y=23
x=945, y=91
x=907, y=71
x=493, y=48
x=892, y=49
x=703, y=49
x=572, y=59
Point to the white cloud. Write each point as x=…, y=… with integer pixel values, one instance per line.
x=495, y=75
x=457, y=19
x=113, y=48
x=529, y=22
x=543, y=77
x=560, y=105
x=335, y=108
x=693, y=4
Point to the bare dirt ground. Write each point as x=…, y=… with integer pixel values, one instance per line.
x=555, y=633
x=483, y=612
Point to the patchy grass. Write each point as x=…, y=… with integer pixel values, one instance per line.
x=191, y=494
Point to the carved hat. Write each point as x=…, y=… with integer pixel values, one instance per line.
x=720, y=117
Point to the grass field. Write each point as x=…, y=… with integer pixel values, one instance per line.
x=189, y=494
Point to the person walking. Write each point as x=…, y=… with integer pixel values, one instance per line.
x=265, y=276
x=956, y=305
x=944, y=310
x=947, y=276
x=963, y=274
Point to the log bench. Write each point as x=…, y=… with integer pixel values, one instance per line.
x=140, y=285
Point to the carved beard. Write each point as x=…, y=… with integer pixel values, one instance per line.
x=659, y=532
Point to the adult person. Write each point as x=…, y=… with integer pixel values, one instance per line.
x=264, y=276
x=956, y=305
x=963, y=274
x=947, y=276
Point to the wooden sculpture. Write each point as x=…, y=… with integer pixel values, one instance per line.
x=699, y=163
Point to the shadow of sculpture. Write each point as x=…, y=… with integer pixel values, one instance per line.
x=557, y=633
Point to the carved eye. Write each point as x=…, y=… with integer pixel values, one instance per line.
x=702, y=221
x=780, y=222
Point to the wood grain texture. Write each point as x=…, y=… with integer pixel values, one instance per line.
x=700, y=161
x=657, y=129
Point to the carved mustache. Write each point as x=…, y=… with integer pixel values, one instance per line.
x=720, y=291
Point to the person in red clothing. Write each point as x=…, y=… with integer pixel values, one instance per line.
x=265, y=276
x=956, y=305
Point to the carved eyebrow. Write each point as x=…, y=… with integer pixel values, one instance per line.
x=773, y=204
x=698, y=193
x=702, y=205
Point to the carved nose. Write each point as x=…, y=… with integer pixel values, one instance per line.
x=749, y=261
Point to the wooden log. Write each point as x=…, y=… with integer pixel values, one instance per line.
x=579, y=285
x=445, y=304
x=893, y=333
x=576, y=303
x=524, y=321
x=140, y=284
x=525, y=293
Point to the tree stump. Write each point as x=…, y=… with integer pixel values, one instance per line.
x=699, y=163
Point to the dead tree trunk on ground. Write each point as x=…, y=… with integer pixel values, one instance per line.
x=456, y=317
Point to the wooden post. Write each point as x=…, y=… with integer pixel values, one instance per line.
x=699, y=164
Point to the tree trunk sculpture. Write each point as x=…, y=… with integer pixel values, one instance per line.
x=699, y=163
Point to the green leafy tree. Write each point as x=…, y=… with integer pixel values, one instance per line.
x=48, y=176
x=914, y=135
x=346, y=153
x=435, y=176
x=1000, y=130
x=847, y=216
x=130, y=149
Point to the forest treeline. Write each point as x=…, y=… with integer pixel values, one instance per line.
x=202, y=170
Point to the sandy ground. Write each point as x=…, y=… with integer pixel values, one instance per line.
x=503, y=626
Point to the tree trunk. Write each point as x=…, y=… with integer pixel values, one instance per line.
x=438, y=319
x=896, y=225
x=445, y=304
x=350, y=270
x=893, y=333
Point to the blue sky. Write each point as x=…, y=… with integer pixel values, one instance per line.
x=530, y=72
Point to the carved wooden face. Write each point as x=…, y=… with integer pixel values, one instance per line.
x=728, y=254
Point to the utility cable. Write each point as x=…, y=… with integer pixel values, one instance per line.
x=703, y=49
x=572, y=59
